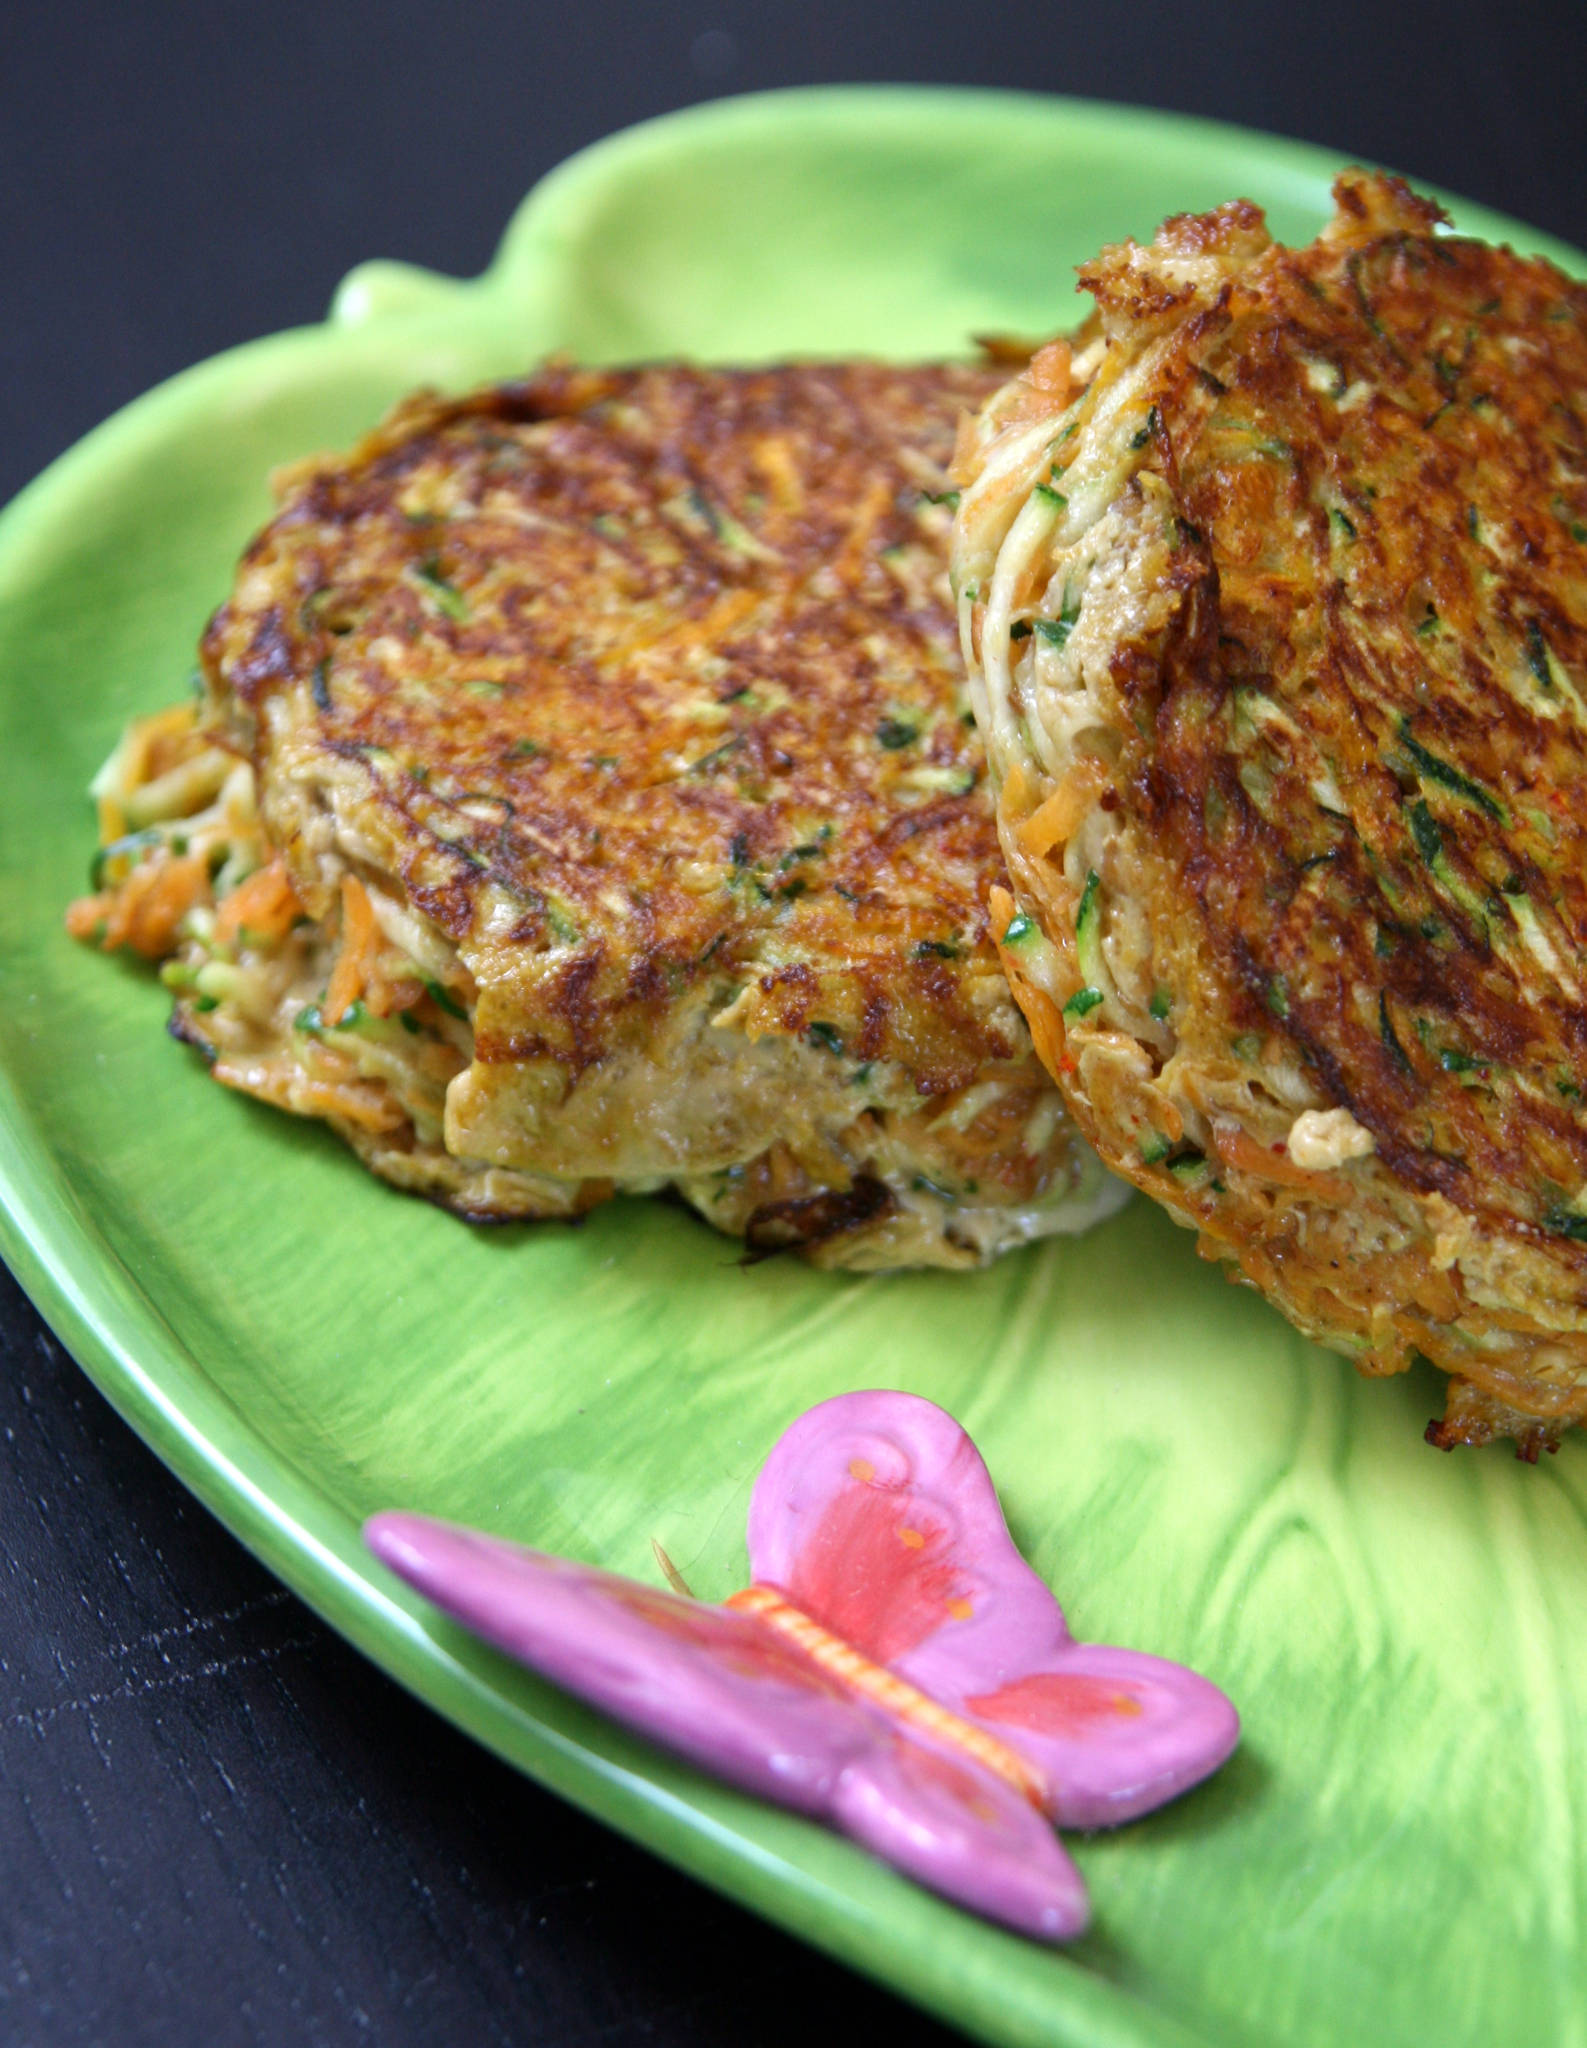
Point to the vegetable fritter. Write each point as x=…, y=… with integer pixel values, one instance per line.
x=621, y=820
x=1279, y=629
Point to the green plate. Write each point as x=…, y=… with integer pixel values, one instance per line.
x=1395, y=1853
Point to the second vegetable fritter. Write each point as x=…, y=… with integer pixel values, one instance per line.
x=1280, y=626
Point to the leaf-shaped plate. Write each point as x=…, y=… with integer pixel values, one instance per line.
x=1394, y=1851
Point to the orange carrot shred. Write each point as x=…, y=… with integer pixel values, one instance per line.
x=145, y=912
x=351, y=972
x=1055, y=820
x=264, y=903
x=1237, y=1148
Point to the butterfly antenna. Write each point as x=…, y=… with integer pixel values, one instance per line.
x=670, y=1571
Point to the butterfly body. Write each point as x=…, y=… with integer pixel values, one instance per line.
x=895, y=1668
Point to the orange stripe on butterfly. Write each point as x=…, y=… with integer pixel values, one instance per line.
x=884, y=1688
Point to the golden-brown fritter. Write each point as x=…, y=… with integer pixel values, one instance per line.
x=1280, y=629
x=613, y=749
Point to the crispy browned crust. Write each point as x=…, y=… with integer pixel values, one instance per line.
x=637, y=694
x=1346, y=779
x=704, y=686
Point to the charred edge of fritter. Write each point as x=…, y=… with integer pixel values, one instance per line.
x=802, y=1225
x=1473, y=1419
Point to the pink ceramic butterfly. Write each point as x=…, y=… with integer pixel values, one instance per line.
x=895, y=1668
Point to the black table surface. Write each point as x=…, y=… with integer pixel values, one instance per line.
x=217, y=1822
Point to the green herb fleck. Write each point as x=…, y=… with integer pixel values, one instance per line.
x=1424, y=830
x=321, y=685
x=1537, y=655
x=1154, y=1149
x=1083, y=1002
x=131, y=849
x=1277, y=996
x=1450, y=778
x=948, y=498
x=523, y=750
x=1390, y=1036
x=709, y=763
x=1020, y=630
x=1056, y=631
x=1161, y=1004
x=896, y=733
x=1054, y=500
x=827, y=1035
x=446, y=596
x=443, y=999
x=1343, y=521
x=1566, y=1223
x=1020, y=928
x=1143, y=434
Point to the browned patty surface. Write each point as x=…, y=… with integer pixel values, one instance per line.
x=1342, y=736
x=611, y=729
x=656, y=656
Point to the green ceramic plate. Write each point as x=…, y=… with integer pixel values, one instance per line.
x=1395, y=1853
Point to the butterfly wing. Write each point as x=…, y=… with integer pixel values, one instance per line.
x=1115, y=1732
x=712, y=1684
x=958, y=1830
x=731, y=1695
x=876, y=1514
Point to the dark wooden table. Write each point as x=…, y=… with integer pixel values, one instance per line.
x=217, y=1823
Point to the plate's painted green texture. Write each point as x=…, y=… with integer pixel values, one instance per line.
x=1395, y=1853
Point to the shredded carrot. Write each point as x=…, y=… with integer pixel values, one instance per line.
x=264, y=903
x=145, y=912
x=774, y=458
x=1236, y=1147
x=368, y=1104
x=856, y=546
x=1056, y=820
x=87, y=916
x=1016, y=790
x=728, y=611
x=966, y=445
x=354, y=957
x=1049, y=371
x=1041, y=1012
x=385, y=994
